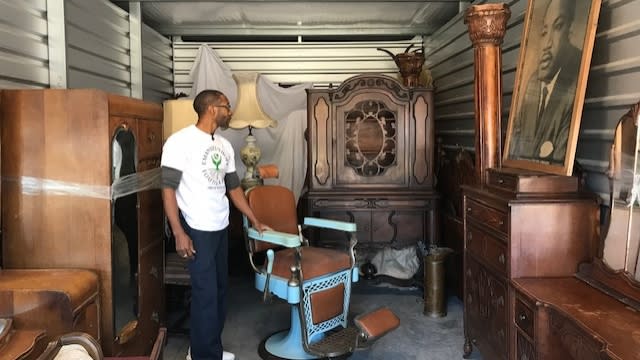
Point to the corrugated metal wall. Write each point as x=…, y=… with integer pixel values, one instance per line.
x=79, y=44
x=315, y=62
x=612, y=86
x=98, y=46
x=24, y=53
x=157, y=66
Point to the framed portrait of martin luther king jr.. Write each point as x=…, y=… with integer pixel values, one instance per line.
x=551, y=78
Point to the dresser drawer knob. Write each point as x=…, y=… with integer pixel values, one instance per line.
x=500, y=181
x=501, y=259
x=522, y=317
x=469, y=209
x=500, y=222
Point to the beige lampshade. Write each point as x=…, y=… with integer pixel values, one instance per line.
x=248, y=111
x=178, y=114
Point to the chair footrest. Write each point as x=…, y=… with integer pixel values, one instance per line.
x=377, y=323
x=336, y=343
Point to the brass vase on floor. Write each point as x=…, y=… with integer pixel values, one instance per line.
x=435, y=303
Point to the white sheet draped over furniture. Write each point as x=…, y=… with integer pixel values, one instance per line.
x=283, y=145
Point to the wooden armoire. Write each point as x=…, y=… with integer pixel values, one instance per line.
x=58, y=207
x=371, y=161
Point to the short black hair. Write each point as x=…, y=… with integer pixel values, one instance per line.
x=568, y=5
x=206, y=98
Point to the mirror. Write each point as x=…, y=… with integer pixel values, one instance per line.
x=622, y=229
x=124, y=238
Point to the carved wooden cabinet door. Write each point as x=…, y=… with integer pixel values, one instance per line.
x=370, y=144
x=371, y=130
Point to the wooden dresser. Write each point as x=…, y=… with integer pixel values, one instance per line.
x=567, y=319
x=521, y=224
x=57, y=208
x=44, y=304
x=371, y=161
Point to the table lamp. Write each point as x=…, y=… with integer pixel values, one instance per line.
x=249, y=114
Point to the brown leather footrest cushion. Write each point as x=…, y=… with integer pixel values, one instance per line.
x=377, y=323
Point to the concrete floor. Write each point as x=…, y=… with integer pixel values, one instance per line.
x=418, y=338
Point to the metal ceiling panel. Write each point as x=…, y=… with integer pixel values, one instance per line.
x=297, y=18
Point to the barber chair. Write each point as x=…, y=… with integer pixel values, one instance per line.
x=316, y=282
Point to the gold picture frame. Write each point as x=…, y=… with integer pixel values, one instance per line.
x=551, y=78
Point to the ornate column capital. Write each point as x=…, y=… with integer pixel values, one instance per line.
x=487, y=23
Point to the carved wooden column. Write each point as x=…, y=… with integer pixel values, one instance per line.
x=487, y=25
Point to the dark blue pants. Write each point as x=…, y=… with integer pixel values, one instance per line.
x=209, y=280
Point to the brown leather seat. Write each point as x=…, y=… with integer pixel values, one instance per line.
x=315, y=262
x=275, y=206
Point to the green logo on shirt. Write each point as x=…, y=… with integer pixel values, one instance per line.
x=214, y=164
x=216, y=159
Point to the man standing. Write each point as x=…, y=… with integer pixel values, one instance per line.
x=541, y=128
x=198, y=170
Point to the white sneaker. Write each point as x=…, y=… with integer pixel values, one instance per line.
x=225, y=355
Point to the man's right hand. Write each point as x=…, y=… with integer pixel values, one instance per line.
x=184, y=246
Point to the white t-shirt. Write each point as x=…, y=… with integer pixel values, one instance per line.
x=204, y=163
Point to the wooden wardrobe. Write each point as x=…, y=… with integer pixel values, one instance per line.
x=57, y=208
x=371, y=161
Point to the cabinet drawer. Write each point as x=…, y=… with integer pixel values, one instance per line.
x=571, y=339
x=486, y=215
x=502, y=181
x=150, y=141
x=516, y=181
x=490, y=249
x=524, y=317
x=496, y=254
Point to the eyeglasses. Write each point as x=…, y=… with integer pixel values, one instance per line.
x=226, y=106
